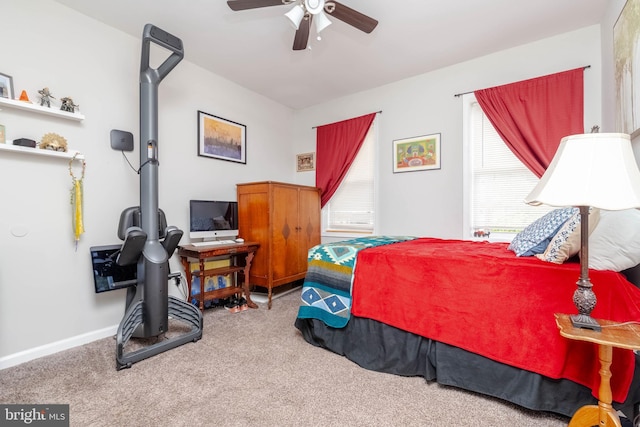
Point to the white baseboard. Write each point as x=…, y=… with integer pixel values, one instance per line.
x=264, y=298
x=55, y=347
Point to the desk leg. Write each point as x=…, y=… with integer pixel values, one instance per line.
x=201, y=294
x=245, y=285
x=602, y=414
x=187, y=272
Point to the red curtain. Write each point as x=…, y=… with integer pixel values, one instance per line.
x=337, y=145
x=532, y=116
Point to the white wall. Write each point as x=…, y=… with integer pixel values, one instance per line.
x=46, y=296
x=46, y=289
x=429, y=203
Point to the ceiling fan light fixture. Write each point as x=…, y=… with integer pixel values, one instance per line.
x=321, y=22
x=304, y=12
x=314, y=6
x=295, y=15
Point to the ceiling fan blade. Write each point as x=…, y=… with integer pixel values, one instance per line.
x=353, y=17
x=252, y=4
x=302, y=34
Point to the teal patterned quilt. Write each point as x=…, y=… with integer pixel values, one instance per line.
x=326, y=292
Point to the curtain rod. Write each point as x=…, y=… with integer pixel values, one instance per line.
x=457, y=95
x=314, y=127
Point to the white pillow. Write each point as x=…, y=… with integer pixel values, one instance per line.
x=615, y=242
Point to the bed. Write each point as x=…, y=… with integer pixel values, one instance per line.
x=470, y=314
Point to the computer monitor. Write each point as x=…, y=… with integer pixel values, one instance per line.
x=107, y=275
x=210, y=220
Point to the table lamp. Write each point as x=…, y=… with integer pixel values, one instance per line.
x=589, y=170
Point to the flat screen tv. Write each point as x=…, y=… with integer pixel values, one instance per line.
x=107, y=275
x=210, y=220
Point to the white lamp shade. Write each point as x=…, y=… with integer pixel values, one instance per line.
x=295, y=15
x=595, y=169
x=321, y=21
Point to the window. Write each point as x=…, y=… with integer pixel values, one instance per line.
x=496, y=182
x=351, y=210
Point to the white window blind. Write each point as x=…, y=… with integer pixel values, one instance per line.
x=351, y=209
x=500, y=181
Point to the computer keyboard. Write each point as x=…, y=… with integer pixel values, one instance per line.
x=212, y=243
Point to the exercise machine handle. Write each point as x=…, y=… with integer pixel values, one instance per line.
x=151, y=33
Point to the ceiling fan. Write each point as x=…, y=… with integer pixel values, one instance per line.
x=306, y=11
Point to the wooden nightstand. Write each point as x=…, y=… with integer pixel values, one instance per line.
x=624, y=336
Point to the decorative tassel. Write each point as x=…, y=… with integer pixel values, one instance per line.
x=78, y=226
x=77, y=202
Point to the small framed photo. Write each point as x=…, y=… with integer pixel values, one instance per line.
x=416, y=154
x=306, y=162
x=222, y=139
x=6, y=86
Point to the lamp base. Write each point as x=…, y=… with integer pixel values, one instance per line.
x=584, y=321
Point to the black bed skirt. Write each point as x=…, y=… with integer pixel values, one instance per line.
x=383, y=348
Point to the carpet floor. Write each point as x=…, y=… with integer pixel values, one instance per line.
x=251, y=368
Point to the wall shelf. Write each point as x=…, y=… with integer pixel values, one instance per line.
x=27, y=106
x=39, y=152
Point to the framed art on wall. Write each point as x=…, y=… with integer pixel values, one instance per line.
x=222, y=139
x=6, y=86
x=305, y=162
x=626, y=51
x=416, y=154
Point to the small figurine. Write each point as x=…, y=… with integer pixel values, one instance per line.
x=481, y=233
x=53, y=141
x=24, y=97
x=68, y=105
x=45, y=97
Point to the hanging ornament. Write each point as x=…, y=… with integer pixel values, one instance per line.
x=76, y=200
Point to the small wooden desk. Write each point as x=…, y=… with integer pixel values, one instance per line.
x=230, y=251
x=624, y=336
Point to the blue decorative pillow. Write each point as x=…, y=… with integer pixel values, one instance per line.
x=536, y=237
x=566, y=242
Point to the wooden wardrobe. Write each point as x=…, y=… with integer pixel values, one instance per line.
x=285, y=220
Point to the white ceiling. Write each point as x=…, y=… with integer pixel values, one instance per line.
x=254, y=47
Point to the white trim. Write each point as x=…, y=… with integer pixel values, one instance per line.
x=376, y=176
x=467, y=168
x=335, y=236
x=263, y=298
x=55, y=347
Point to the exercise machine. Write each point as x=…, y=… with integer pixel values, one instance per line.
x=147, y=240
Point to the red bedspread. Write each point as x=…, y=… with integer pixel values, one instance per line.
x=480, y=297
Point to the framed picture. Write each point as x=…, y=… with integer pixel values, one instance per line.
x=222, y=139
x=306, y=162
x=6, y=86
x=416, y=154
x=626, y=51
